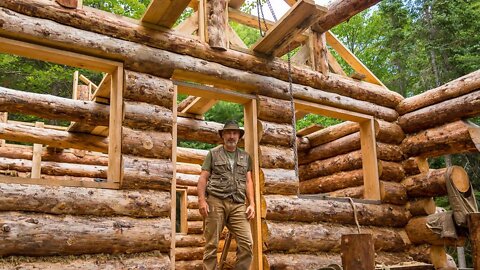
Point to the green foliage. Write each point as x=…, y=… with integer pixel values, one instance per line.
x=129, y=8
x=311, y=119
x=195, y=144
x=225, y=111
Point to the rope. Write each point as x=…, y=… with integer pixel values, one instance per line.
x=354, y=213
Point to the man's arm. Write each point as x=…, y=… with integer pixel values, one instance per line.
x=250, y=196
x=201, y=187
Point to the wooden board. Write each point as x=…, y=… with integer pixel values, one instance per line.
x=212, y=92
x=199, y=106
x=310, y=129
x=164, y=12
x=189, y=25
x=114, y=173
x=37, y=156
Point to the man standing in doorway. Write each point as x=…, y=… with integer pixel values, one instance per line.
x=223, y=187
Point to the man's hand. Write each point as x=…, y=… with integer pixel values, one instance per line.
x=250, y=211
x=203, y=207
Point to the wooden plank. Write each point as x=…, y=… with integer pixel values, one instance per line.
x=202, y=20
x=86, y=81
x=75, y=85
x=56, y=56
x=329, y=111
x=174, y=180
x=3, y=119
x=212, y=92
x=164, y=12
x=368, y=144
x=183, y=209
x=251, y=146
x=114, y=173
x=57, y=182
x=334, y=65
x=189, y=25
x=235, y=39
x=351, y=59
x=37, y=156
x=298, y=19
x=104, y=88
x=302, y=57
x=200, y=106
x=310, y=129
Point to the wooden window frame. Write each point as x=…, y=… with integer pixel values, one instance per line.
x=115, y=69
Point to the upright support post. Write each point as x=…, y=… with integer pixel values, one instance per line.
x=474, y=230
x=3, y=119
x=114, y=173
x=369, y=159
x=318, y=47
x=37, y=156
x=358, y=252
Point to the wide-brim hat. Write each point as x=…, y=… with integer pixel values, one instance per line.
x=231, y=125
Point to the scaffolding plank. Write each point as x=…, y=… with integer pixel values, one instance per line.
x=164, y=12
x=200, y=106
x=298, y=19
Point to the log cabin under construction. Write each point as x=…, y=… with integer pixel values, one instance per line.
x=113, y=190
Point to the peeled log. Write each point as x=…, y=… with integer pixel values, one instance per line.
x=53, y=107
x=433, y=183
x=332, y=133
x=188, y=168
x=419, y=233
x=350, y=192
x=147, y=88
x=446, y=111
x=25, y=152
x=187, y=179
x=144, y=143
x=346, y=162
x=332, y=182
x=324, y=237
x=394, y=193
x=415, y=165
x=389, y=132
x=274, y=110
x=217, y=22
x=145, y=116
x=276, y=157
x=190, y=155
x=456, y=137
x=389, y=152
x=189, y=240
x=391, y=171
x=144, y=261
x=45, y=235
x=278, y=181
x=145, y=173
x=55, y=168
x=84, y=201
x=452, y=89
x=422, y=206
x=273, y=133
x=288, y=208
x=199, y=130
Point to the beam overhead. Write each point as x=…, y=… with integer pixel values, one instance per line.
x=298, y=19
x=164, y=12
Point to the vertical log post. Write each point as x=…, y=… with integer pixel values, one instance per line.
x=80, y=92
x=37, y=156
x=3, y=119
x=474, y=230
x=217, y=24
x=358, y=252
x=318, y=45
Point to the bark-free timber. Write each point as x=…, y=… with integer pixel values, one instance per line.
x=419, y=233
x=390, y=192
x=358, y=252
x=150, y=144
x=21, y=152
x=273, y=133
x=332, y=182
x=94, y=20
x=450, y=90
x=415, y=165
x=278, y=181
x=432, y=183
x=332, y=133
x=345, y=162
x=446, y=111
x=84, y=201
x=276, y=157
x=421, y=206
x=141, y=115
x=217, y=22
x=147, y=261
x=391, y=171
x=288, y=208
x=455, y=137
x=302, y=237
x=145, y=173
x=147, y=88
x=190, y=155
x=45, y=235
x=188, y=168
x=198, y=130
x=187, y=179
x=389, y=132
x=274, y=110
x=473, y=221
x=350, y=192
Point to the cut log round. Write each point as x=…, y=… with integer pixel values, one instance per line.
x=446, y=139
x=287, y=208
x=332, y=182
x=324, y=237
x=84, y=201
x=432, y=183
x=145, y=173
x=274, y=133
x=415, y=165
x=419, y=233
x=422, y=206
x=453, y=89
x=45, y=235
x=147, y=88
x=217, y=23
x=276, y=157
x=151, y=144
x=274, y=110
x=302, y=144
x=190, y=155
x=446, y=111
x=346, y=162
x=278, y=181
x=145, y=116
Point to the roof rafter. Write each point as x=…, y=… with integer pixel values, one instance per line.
x=164, y=12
